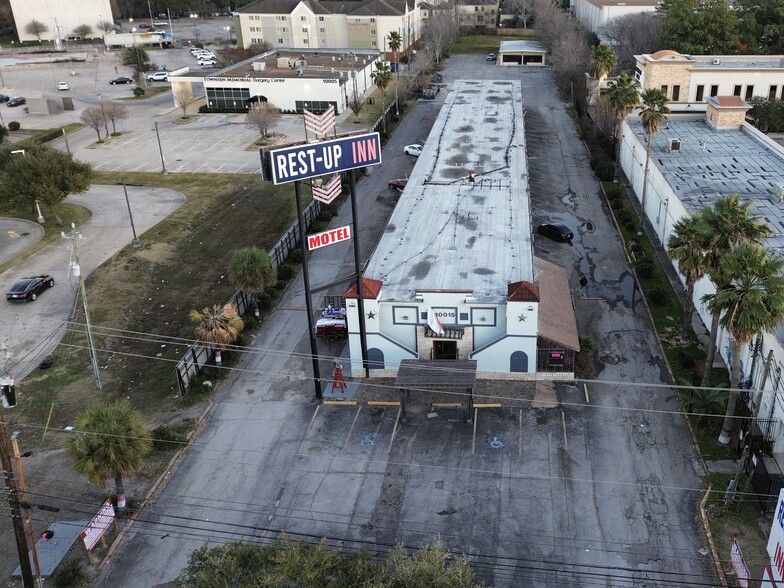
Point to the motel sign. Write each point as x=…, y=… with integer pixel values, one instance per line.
x=773, y=573
x=290, y=164
x=329, y=237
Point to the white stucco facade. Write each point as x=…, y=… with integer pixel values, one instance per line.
x=594, y=14
x=59, y=16
x=717, y=162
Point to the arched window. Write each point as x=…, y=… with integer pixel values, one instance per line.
x=375, y=358
x=518, y=362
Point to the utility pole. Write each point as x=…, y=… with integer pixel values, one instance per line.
x=9, y=399
x=25, y=503
x=74, y=237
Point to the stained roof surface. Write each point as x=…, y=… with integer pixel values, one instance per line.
x=447, y=233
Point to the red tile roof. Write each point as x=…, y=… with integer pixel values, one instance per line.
x=370, y=289
x=736, y=101
x=522, y=292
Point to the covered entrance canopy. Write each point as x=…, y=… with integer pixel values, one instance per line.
x=437, y=374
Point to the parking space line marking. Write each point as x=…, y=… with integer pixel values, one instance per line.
x=587, y=398
x=307, y=431
x=520, y=436
x=566, y=438
x=394, y=429
x=351, y=430
x=473, y=439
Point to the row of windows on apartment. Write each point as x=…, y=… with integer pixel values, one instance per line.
x=304, y=41
x=304, y=18
x=305, y=30
x=714, y=91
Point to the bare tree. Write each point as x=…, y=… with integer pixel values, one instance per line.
x=604, y=117
x=107, y=26
x=183, y=99
x=115, y=111
x=633, y=34
x=37, y=28
x=85, y=31
x=355, y=104
x=93, y=117
x=261, y=115
x=520, y=9
x=570, y=57
x=439, y=32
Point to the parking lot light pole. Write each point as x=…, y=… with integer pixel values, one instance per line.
x=160, y=150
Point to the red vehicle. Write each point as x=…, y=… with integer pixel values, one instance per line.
x=145, y=26
x=18, y=101
x=398, y=184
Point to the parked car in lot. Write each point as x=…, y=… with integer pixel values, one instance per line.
x=414, y=150
x=160, y=23
x=491, y=57
x=18, y=101
x=121, y=80
x=158, y=76
x=29, y=288
x=145, y=26
x=560, y=233
x=4, y=98
x=206, y=62
x=63, y=86
x=398, y=184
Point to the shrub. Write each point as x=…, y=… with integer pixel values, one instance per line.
x=164, y=439
x=14, y=126
x=265, y=302
x=605, y=170
x=295, y=256
x=624, y=215
x=138, y=91
x=631, y=223
x=645, y=267
x=614, y=191
x=596, y=160
x=657, y=295
x=285, y=273
x=70, y=574
x=685, y=360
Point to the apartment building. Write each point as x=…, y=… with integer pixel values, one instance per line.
x=329, y=24
x=692, y=79
x=595, y=14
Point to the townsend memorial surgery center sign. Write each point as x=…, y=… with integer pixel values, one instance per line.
x=300, y=162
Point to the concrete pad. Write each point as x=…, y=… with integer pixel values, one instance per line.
x=545, y=396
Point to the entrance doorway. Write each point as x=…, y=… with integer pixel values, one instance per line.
x=444, y=349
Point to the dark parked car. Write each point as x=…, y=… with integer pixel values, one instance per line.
x=398, y=184
x=556, y=232
x=4, y=98
x=29, y=288
x=121, y=80
x=437, y=78
x=18, y=101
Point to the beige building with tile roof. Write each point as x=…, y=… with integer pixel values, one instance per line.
x=329, y=24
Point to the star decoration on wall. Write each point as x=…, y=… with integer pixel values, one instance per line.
x=521, y=318
x=371, y=315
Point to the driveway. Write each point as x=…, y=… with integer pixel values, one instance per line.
x=600, y=489
x=31, y=330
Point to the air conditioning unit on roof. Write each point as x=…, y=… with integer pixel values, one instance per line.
x=716, y=61
x=675, y=145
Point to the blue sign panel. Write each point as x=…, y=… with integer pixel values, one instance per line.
x=290, y=164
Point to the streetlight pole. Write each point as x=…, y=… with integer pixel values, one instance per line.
x=160, y=150
x=130, y=214
x=25, y=504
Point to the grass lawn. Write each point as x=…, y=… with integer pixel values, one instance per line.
x=482, y=43
x=140, y=299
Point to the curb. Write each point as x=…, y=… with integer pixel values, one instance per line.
x=157, y=485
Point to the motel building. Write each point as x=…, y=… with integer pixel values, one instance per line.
x=454, y=277
x=291, y=80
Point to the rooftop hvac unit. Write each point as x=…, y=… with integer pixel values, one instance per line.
x=716, y=61
x=259, y=65
x=299, y=73
x=300, y=64
x=675, y=145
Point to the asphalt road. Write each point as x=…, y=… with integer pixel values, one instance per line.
x=31, y=330
x=598, y=490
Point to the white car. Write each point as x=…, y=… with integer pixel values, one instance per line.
x=414, y=150
x=204, y=55
x=160, y=23
x=158, y=76
x=207, y=62
x=63, y=86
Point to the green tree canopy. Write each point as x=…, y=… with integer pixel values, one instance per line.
x=43, y=174
x=603, y=61
x=761, y=25
x=217, y=326
x=624, y=96
x=767, y=115
x=250, y=270
x=136, y=57
x=289, y=563
x=109, y=442
x=684, y=246
x=691, y=26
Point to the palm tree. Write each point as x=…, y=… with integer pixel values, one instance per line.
x=395, y=41
x=603, y=62
x=251, y=271
x=624, y=96
x=381, y=78
x=684, y=247
x=722, y=227
x=751, y=301
x=654, y=112
x=217, y=326
x=110, y=441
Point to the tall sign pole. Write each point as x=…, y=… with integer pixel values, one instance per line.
x=358, y=269
x=308, y=305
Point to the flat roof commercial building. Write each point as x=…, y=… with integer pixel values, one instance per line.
x=458, y=247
